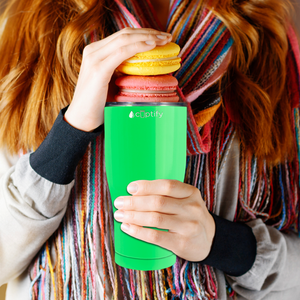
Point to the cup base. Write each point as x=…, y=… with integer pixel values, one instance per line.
x=145, y=264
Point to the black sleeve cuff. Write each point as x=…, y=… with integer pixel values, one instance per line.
x=233, y=249
x=59, y=154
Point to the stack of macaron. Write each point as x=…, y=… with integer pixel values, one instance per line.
x=146, y=79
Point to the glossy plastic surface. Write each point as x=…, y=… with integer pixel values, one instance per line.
x=143, y=142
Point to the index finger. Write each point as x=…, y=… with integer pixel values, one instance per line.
x=166, y=187
x=99, y=44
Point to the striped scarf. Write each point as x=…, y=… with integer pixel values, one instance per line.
x=68, y=265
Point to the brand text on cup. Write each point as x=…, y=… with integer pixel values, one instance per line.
x=146, y=114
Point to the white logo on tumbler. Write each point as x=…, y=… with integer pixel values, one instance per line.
x=147, y=114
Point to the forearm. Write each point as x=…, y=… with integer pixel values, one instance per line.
x=258, y=260
x=31, y=209
x=276, y=267
x=34, y=195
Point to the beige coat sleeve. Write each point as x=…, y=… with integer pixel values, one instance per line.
x=275, y=274
x=31, y=209
x=6, y=160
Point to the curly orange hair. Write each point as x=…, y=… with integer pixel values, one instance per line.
x=255, y=86
x=41, y=51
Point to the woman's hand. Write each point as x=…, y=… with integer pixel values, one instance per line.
x=99, y=61
x=173, y=205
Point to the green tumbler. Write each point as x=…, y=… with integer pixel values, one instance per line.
x=143, y=141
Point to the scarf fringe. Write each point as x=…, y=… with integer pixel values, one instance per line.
x=75, y=272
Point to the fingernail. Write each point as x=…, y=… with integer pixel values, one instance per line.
x=119, y=215
x=132, y=188
x=119, y=202
x=162, y=37
x=125, y=226
x=150, y=42
x=165, y=33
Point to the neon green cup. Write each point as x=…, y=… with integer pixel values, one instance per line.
x=143, y=141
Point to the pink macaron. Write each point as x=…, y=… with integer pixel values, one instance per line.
x=134, y=88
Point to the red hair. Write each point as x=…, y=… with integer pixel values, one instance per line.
x=41, y=51
x=255, y=86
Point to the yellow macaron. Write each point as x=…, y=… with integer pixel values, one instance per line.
x=160, y=60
